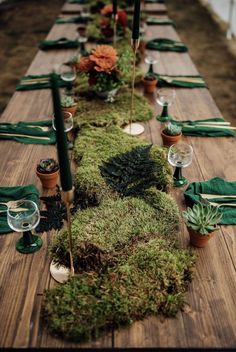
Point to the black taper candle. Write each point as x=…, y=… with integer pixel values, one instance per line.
x=62, y=149
x=114, y=9
x=136, y=20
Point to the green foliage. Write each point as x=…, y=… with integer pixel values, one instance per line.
x=99, y=113
x=132, y=172
x=47, y=166
x=202, y=218
x=172, y=130
x=150, y=279
x=96, y=145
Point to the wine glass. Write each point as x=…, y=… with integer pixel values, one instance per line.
x=165, y=97
x=68, y=125
x=150, y=61
x=68, y=75
x=82, y=41
x=23, y=216
x=180, y=155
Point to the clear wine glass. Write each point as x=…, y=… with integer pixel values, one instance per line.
x=165, y=97
x=180, y=155
x=68, y=125
x=68, y=75
x=23, y=216
x=150, y=61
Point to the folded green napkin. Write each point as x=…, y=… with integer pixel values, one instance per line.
x=39, y=82
x=29, y=192
x=159, y=21
x=80, y=2
x=75, y=19
x=40, y=132
x=185, y=81
x=202, y=131
x=164, y=44
x=215, y=186
x=62, y=43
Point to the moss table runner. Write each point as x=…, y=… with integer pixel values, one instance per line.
x=184, y=81
x=39, y=132
x=62, y=43
x=159, y=21
x=164, y=44
x=7, y=194
x=75, y=19
x=216, y=127
x=215, y=186
x=32, y=82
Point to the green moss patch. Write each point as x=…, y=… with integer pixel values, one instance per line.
x=97, y=112
x=96, y=145
x=151, y=279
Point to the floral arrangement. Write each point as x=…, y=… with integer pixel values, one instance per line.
x=105, y=70
x=106, y=21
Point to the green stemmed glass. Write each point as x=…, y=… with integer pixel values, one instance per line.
x=180, y=155
x=23, y=216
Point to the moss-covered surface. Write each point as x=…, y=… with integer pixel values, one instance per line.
x=99, y=113
x=95, y=145
x=150, y=279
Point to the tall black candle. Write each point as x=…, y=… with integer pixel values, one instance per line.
x=136, y=19
x=114, y=7
x=62, y=149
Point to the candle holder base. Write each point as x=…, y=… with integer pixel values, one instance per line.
x=180, y=182
x=134, y=129
x=28, y=243
x=59, y=273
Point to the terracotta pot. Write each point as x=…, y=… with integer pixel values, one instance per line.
x=70, y=109
x=48, y=180
x=169, y=140
x=197, y=239
x=149, y=85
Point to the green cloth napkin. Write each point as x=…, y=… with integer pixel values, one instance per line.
x=40, y=132
x=219, y=186
x=75, y=19
x=62, y=43
x=29, y=192
x=159, y=21
x=39, y=82
x=204, y=131
x=184, y=81
x=164, y=44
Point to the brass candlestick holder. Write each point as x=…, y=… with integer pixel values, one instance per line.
x=61, y=273
x=133, y=128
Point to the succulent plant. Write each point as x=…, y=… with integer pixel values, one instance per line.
x=47, y=166
x=67, y=101
x=202, y=218
x=172, y=130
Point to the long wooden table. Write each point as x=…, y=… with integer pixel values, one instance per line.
x=209, y=316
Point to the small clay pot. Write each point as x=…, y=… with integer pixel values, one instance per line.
x=169, y=140
x=48, y=180
x=198, y=240
x=71, y=109
x=149, y=85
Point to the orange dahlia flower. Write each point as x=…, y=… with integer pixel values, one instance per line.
x=107, y=10
x=104, y=58
x=85, y=64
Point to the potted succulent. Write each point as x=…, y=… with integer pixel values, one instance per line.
x=171, y=134
x=150, y=82
x=201, y=221
x=48, y=170
x=68, y=105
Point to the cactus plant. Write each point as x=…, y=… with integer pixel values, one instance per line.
x=172, y=130
x=202, y=218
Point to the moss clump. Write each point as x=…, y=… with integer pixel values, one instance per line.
x=98, y=113
x=96, y=145
x=151, y=279
x=102, y=233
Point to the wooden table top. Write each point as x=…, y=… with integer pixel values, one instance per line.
x=209, y=316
